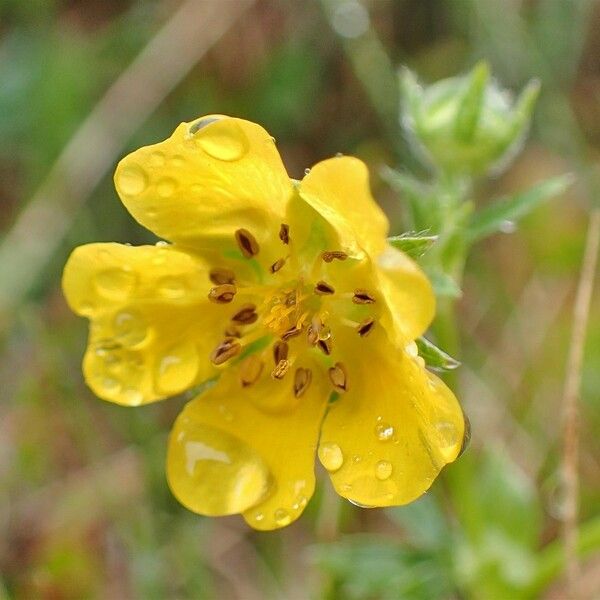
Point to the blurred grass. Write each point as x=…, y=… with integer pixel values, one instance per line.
x=84, y=507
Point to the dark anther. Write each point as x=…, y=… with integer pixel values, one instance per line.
x=246, y=315
x=284, y=233
x=251, y=370
x=332, y=255
x=220, y=276
x=324, y=346
x=302, y=380
x=281, y=368
x=280, y=351
x=222, y=294
x=292, y=332
x=227, y=349
x=277, y=265
x=322, y=288
x=247, y=243
x=362, y=297
x=366, y=327
x=338, y=377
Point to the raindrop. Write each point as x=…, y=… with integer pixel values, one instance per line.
x=171, y=287
x=177, y=161
x=131, y=181
x=166, y=187
x=448, y=439
x=259, y=517
x=157, y=159
x=507, y=226
x=306, y=171
x=130, y=328
x=330, y=455
x=132, y=397
x=383, y=470
x=213, y=472
x=384, y=432
x=109, y=385
x=115, y=284
x=177, y=369
x=350, y=19
x=223, y=140
x=282, y=517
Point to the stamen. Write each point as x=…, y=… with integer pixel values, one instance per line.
x=220, y=276
x=330, y=255
x=365, y=328
x=222, y=294
x=324, y=346
x=284, y=233
x=362, y=297
x=247, y=243
x=292, y=332
x=251, y=370
x=280, y=369
x=302, y=379
x=246, y=315
x=314, y=329
x=227, y=349
x=277, y=265
x=338, y=377
x=322, y=288
x=280, y=351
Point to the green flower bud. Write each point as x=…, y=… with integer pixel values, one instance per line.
x=466, y=124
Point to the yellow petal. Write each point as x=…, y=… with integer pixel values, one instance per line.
x=229, y=453
x=338, y=189
x=210, y=178
x=152, y=327
x=385, y=440
x=408, y=294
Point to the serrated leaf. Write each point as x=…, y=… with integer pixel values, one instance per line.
x=434, y=357
x=413, y=244
x=495, y=217
x=443, y=284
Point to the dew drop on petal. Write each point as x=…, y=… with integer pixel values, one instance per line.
x=359, y=504
x=259, y=517
x=282, y=517
x=166, y=187
x=132, y=397
x=383, y=470
x=448, y=439
x=131, y=180
x=213, y=472
x=157, y=159
x=330, y=455
x=130, y=328
x=177, y=369
x=109, y=385
x=115, y=284
x=384, y=432
x=223, y=140
x=171, y=287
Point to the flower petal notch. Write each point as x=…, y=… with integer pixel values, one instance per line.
x=282, y=295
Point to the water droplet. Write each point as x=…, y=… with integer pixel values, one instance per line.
x=359, y=504
x=339, y=154
x=330, y=455
x=131, y=180
x=507, y=226
x=177, y=369
x=115, y=284
x=161, y=244
x=130, y=328
x=259, y=517
x=306, y=171
x=282, y=517
x=449, y=441
x=172, y=287
x=384, y=431
x=356, y=458
x=86, y=309
x=177, y=161
x=383, y=470
x=132, y=397
x=109, y=385
x=213, y=472
x=300, y=503
x=346, y=487
x=166, y=187
x=223, y=140
x=156, y=159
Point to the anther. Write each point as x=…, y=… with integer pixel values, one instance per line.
x=281, y=368
x=292, y=332
x=247, y=243
x=302, y=379
x=280, y=351
x=277, y=265
x=365, y=328
x=322, y=288
x=222, y=294
x=324, y=346
x=227, y=349
x=362, y=297
x=314, y=329
x=220, y=276
x=338, y=377
x=246, y=315
x=251, y=370
x=284, y=233
x=331, y=255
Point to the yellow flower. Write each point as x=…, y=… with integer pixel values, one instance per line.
x=288, y=292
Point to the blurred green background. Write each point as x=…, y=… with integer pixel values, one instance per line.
x=84, y=507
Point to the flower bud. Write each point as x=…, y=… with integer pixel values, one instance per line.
x=465, y=124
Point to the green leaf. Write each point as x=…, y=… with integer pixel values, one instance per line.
x=494, y=218
x=443, y=284
x=413, y=244
x=434, y=357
